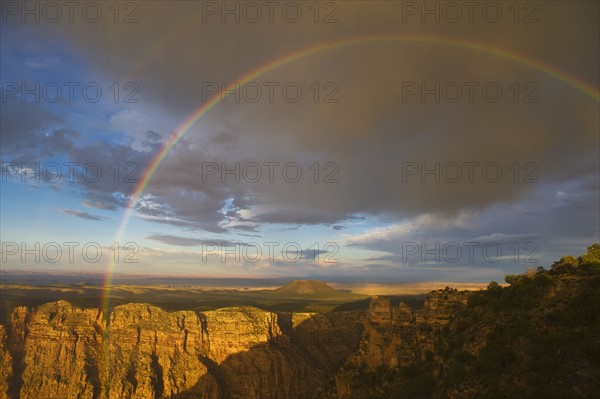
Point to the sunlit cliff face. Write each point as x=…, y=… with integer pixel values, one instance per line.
x=141, y=350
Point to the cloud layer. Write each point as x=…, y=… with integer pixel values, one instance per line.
x=418, y=135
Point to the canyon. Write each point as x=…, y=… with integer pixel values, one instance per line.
x=456, y=344
x=59, y=350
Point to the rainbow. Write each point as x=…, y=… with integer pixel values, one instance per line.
x=182, y=129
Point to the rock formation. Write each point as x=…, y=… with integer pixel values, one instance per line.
x=396, y=335
x=141, y=351
x=536, y=338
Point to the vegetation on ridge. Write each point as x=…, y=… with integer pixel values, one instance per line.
x=537, y=338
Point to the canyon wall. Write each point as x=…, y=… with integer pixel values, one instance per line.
x=396, y=335
x=141, y=351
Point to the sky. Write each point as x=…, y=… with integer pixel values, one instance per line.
x=380, y=140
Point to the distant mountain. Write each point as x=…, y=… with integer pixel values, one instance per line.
x=308, y=288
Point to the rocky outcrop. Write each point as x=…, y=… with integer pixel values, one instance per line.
x=141, y=351
x=6, y=369
x=150, y=353
x=293, y=355
x=60, y=347
x=238, y=329
x=396, y=335
x=535, y=338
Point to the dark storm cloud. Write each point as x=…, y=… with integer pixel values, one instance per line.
x=30, y=135
x=245, y=227
x=82, y=214
x=371, y=133
x=29, y=150
x=292, y=217
x=540, y=237
x=188, y=241
x=313, y=254
x=153, y=141
x=107, y=203
x=22, y=126
x=193, y=226
x=153, y=136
